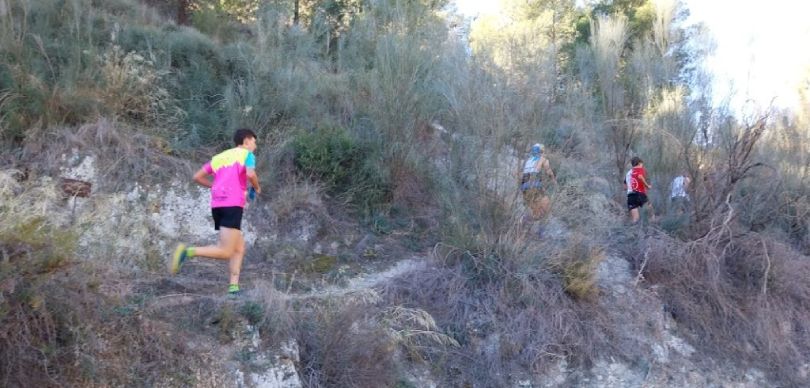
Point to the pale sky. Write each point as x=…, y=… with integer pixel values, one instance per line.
x=762, y=47
x=476, y=7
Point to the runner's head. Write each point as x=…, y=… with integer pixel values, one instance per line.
x=636, y=161
x=537, y=148
x=244, y=137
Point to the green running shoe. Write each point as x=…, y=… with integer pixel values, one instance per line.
x=179, y=257
x=234, y=291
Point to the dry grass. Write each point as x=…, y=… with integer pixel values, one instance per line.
x=123, y=155
x=510, y=302
x=298, y=195
x=355, y=340
x=581, y=205
x=277, y=319
x=133, y=90
x=520, y=321
x=342, y=345
x=57, y=330
x=412, y=188
x=415, y=330
x=577, y=265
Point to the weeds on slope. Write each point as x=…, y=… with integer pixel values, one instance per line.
x=62, y=320
x=736, y=292
x=359, y=340
x=515, y=302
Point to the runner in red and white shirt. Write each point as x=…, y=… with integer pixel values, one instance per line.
x=636, y=182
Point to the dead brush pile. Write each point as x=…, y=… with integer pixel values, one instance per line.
x=739, y=293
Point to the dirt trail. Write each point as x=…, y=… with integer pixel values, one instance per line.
x=364, y=281
x=195, y=286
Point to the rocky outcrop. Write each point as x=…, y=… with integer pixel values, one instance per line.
x=277, y=365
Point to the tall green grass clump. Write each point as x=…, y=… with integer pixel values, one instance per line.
x=69, y=62
x=276, y=78
x=37, y=72
x=61, y=64
x=194, y=75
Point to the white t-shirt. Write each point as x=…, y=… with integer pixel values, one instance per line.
x=679, y=187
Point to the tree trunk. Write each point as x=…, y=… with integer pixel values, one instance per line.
x=182, y=11
x=296, y=11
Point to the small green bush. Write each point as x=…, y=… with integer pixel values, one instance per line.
x=45, y=246
x=253, y=312
x=346, y=167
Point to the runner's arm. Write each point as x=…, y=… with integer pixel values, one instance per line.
x=644, y=181
x=254, y=180
x=547, y=167
x=201, y=178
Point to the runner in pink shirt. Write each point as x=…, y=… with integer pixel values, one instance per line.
x=231, y=171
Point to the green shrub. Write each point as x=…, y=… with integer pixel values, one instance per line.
x=237, y=59
x=141, y=38
x=253, y=312
x=347, y=168
x=45, y=246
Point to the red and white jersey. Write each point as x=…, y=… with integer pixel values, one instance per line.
x=633, y=181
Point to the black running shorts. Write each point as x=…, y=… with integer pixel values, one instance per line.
x=227, y=217
x=635, y=200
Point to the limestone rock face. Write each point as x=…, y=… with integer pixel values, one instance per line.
x=147, y=220
x=279, y=364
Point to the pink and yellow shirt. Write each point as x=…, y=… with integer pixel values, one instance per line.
x=229, y=169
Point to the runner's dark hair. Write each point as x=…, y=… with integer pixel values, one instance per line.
x=241, y=134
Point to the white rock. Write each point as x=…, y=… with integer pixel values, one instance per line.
x=85, y=170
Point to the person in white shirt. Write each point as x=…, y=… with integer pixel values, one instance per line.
x=679, y=194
